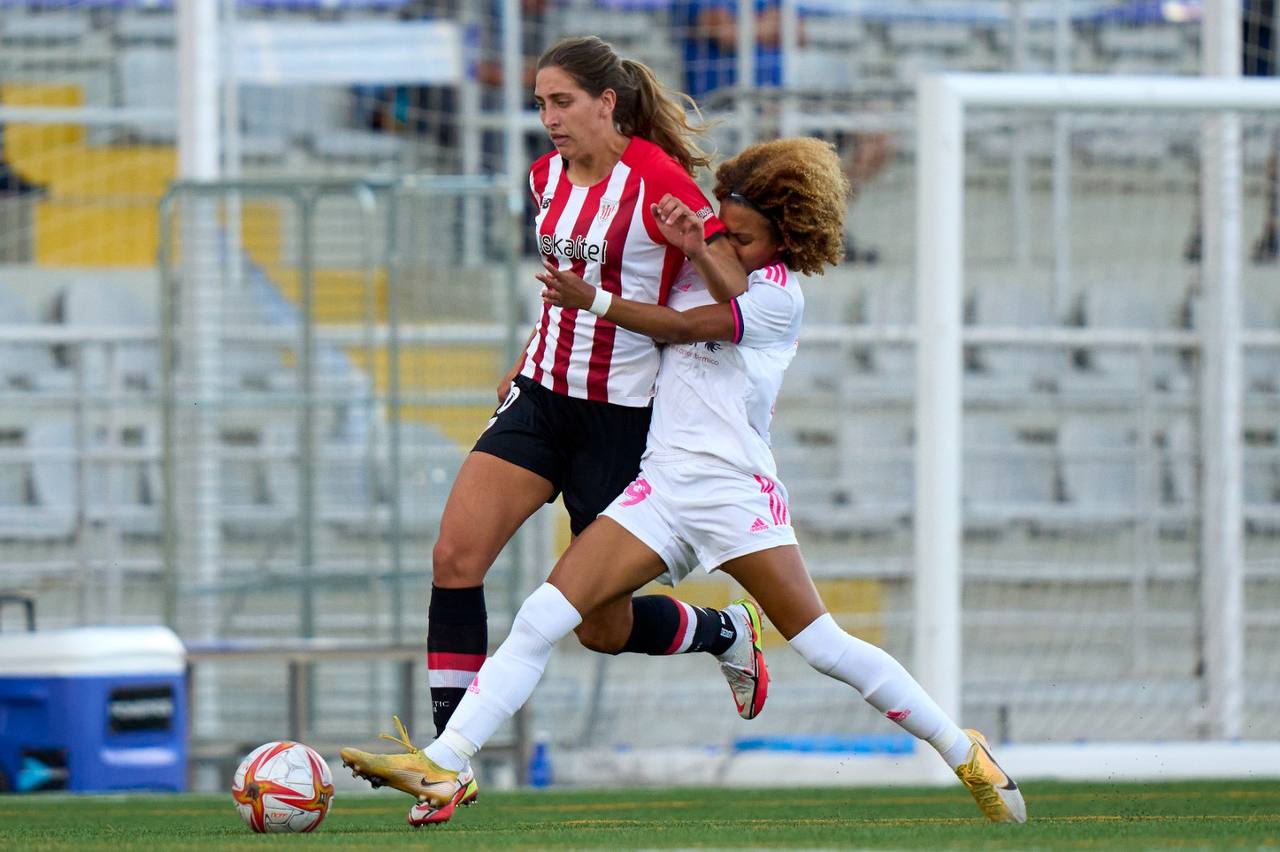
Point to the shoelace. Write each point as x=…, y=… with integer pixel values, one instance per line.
x=402, y=737
x=985, y=792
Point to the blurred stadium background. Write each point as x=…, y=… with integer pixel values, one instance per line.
x=262, y=264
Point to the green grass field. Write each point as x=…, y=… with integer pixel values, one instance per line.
x=1063, y=816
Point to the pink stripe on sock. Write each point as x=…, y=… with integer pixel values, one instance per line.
x=678, y=640
x=457, y=662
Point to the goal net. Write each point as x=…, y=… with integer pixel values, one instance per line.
x=1071, y=430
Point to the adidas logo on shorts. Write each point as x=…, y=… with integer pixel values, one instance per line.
x=759, y=526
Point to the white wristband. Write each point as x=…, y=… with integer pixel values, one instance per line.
x=600, y=304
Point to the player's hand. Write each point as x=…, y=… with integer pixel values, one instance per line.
x=565, y=289
x=679, y=225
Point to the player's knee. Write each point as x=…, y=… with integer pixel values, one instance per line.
x=453, y=567
x=821, y=644
x=600, y=638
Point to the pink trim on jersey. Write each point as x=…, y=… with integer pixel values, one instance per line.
x=737, y=321
x=777, y=273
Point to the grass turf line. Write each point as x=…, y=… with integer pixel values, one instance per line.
x=1063, y=816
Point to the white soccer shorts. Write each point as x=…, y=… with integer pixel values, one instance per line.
x=693, y=513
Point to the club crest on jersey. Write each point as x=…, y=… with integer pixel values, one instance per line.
x=607, y=209
x=576, y=248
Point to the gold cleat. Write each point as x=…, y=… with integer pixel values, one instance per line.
x=410, y=772
x=994, y=791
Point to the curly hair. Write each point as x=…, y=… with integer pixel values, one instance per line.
x=799, y=186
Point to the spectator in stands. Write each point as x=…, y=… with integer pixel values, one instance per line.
x=708, y=30
x=537, y=33
x=429, y=112
x=12, y=183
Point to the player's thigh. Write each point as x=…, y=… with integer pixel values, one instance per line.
x=604, y=564
x=490, y=499
x=779, y=581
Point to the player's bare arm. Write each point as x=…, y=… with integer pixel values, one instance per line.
x=716, y=262
x=708, y=322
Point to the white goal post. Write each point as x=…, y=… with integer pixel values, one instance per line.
x=940, y=287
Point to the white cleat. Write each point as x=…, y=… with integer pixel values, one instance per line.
x=743, y=664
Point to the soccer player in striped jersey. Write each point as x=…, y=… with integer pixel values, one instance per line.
x=708, y=495
x=575, y=408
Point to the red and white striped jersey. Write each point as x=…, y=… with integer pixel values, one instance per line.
x=607, y=234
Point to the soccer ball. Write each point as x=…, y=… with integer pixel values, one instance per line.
x=282, y=787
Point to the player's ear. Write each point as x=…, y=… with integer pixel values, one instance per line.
x=608, y=100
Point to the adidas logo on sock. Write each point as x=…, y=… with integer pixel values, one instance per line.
x=759, y=526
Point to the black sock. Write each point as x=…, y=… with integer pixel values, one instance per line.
x=457, y=641
x=660, y=624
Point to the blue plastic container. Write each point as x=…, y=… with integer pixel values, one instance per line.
x=93, y=710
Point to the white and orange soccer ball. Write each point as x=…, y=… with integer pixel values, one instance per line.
x=282, y=787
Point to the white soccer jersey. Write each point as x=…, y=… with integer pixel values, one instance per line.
x=606, y=234
x=716, y=399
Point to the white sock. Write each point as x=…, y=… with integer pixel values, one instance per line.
x=883, y=682
x=506, y=680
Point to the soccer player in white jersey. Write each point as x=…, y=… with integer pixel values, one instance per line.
x=708, y=495
x=575, y=407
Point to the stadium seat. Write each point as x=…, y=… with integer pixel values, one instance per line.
x=1180, y=456
x=89, y=303
x=1015, y=368
x=430, y=463
x=359, y=146
x=50, y=513
x=27, y=366
x=876, y=461
x=1100, y=466
x=1261, y=365
x=45, y=28
x=1151, y=49
x=888, y=304
x=1119, y=368
x=1006, y=478
x=145, y=26
x=148, y=79
x=296, y=113
x=1262, y=480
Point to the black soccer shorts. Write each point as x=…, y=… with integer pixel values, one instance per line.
x=588, y=450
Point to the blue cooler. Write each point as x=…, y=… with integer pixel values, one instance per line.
x=93, y=709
